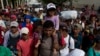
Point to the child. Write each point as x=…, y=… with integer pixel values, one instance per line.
x=76, y=34
x=67, y=41
x=24, y=44
x=51, y=15
x=49, y=43
x=37, y=36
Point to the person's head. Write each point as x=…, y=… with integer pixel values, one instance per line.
x=68, y=21
x=14, y=26
x=26, y=11
x=51, y=9
x=27, y=18
x=24, y=33
x=83, y=18
x=37, y=26
x=93, y=18
x=13, y=17
x=7, y=17
x=63, y=29
x=48, y=28
x=77, y=28
x=40, y=10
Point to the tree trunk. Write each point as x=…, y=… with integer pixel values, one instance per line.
x=2, y=4
x=71, y=3
x=7, y=2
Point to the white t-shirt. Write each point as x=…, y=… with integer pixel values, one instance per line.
x=65, y=51
x=2, y=24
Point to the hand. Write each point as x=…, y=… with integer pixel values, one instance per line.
x=38, y=43
x=54, y=33
x=54, y=52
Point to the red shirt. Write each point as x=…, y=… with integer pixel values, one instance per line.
x=25, y=47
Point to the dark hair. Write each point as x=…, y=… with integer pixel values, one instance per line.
x=48, y=24
x=63, y=27
x=36, y=24
x=83, y=18
x=91, y=16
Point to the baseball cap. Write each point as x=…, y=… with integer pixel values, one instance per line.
x=51, y=5
x=24, y=30
x=14, y=23
x=77, y=26
x=40, y=8
x=37, y=9
x=77, y=52
x=13, y=17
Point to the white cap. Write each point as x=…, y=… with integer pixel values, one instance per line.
x=24, y=30
x=41, y=9
x=76, y=52
x=51, y=5
x=37, y=9
x=14, y=23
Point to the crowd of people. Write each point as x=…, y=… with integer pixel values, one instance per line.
x=27, y=31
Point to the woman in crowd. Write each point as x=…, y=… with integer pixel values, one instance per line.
x=51, y=15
